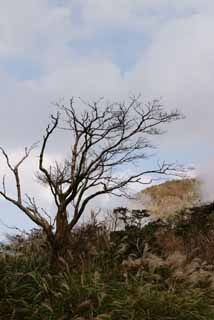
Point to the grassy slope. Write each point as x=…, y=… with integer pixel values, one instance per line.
x=110, y=282
x=169, y=197
x=158, y=290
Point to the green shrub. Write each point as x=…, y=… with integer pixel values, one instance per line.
x=29, y=291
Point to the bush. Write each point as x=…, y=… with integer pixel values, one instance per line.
x=138, y=273
x=147, y=288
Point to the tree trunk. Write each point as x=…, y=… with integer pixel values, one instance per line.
x=59, y=251
x=59, y=243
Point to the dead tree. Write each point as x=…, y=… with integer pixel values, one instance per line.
x=105, y=140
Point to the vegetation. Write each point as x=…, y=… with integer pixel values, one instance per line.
x=142, y=272
x=104, y=140
x=172, y=196
x=148, y=270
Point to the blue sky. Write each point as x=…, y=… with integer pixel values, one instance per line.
x=56, y=49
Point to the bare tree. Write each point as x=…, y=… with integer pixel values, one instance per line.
x=105, y=139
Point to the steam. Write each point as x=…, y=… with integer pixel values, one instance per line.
x=206, y=177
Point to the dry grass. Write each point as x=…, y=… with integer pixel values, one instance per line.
x=167, y=198
x=150, y=288
x=152, y=273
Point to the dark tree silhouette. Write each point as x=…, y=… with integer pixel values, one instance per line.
x=105, y=138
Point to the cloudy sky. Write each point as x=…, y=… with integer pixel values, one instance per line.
x=52, y=50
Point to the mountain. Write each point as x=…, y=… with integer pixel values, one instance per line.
x=169, y=197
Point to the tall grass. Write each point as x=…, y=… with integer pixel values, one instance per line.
x=28, y=293
x=108, y=276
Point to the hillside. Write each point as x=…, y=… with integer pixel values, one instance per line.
x=171, y=196
x=162, y=270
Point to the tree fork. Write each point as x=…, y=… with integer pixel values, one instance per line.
x=105, y=139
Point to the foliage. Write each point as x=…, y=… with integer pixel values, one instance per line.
x=27, y=292
x=109, y=275
x=191, y=231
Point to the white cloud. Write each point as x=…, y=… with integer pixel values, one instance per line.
x=136, y=15
x=91, y=76
x=178, y=64
x=29, y=26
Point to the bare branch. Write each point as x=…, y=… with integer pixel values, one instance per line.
x=49, y=130
x=106, y=139
x=15, y=170
x=31, y=212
